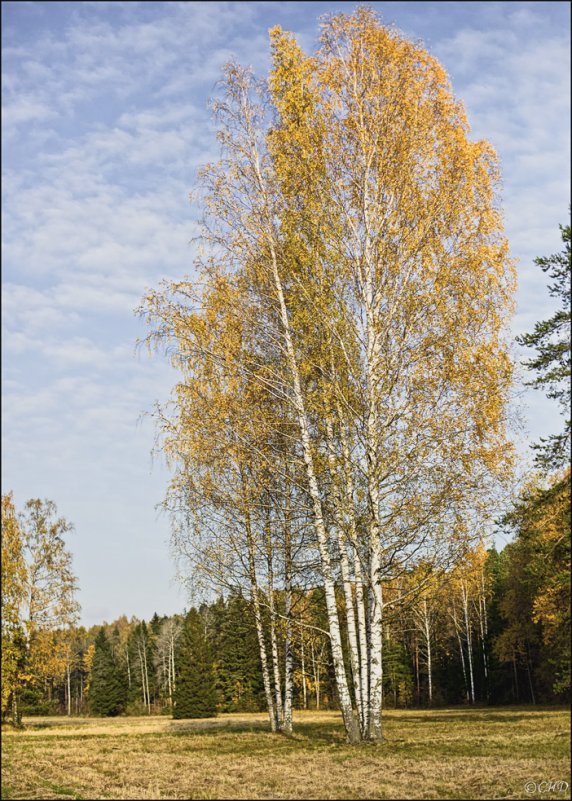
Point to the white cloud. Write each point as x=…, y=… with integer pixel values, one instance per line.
x=25, y=110
x=28, y=309
x=159, y=117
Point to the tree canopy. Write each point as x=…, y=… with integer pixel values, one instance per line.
x=340, y=416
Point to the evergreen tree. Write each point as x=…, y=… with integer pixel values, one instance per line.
x=551, y=338
x=239, y=676
x=195, y=693
x=155, y=624
x=108, y=687
x=397, y=674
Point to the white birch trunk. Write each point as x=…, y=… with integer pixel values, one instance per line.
x=483, y=625
x=304, y=691
x=173, y=678
x=143, y=668
x=418, y=683
x=461, y=652
x=259, y=627
x=288, y=666
x=68, y=677
x=346, y=578
x=350, y=721
x=372, y=376
x=288, y=656
x=128, y=667
x=360, y=595
x=147, y=680
x=263, y=657
x=376, y=638
x=276, y=670
x=428, y=647
x=169, y=679
x=273, y=640
x=363, y=649
x=166, y=673
x=469, y=638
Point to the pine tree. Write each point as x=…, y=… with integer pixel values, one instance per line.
x=108, y=687
x=195, y=693
x=155, y=624
x=551, y=339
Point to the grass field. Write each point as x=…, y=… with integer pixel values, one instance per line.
x=445, y=753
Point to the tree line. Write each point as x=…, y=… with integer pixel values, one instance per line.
x=495, y=630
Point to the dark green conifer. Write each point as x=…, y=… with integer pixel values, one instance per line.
x=195, y=692
x=238, y=658
x=108, y=686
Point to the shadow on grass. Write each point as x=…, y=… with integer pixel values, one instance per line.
x=459, y=733
x=214, y=726
x=307, y=734
x=468, y=716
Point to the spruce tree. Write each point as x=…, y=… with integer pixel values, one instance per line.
x=238, y=657
x=397, y=674
x=195, y=693
x=108, y=687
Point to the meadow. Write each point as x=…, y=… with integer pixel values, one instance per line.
x=484, y=753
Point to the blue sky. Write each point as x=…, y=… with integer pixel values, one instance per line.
x=104, y=117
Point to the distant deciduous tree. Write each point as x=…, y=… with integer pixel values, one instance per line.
x=169, y=632
x=14, y=577
x=38, y=592
x=51, y=584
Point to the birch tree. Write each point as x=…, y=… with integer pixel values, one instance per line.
x=354, y=228
x=467, y=602
x=425, y=620
x=38, y=591
x=51, y=584
x=415, y=248
x=165, y=656
x=229, y=445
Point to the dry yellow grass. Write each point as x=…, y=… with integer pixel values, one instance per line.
x=456, y=753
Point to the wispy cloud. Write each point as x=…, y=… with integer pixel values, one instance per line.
x=512, y=68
